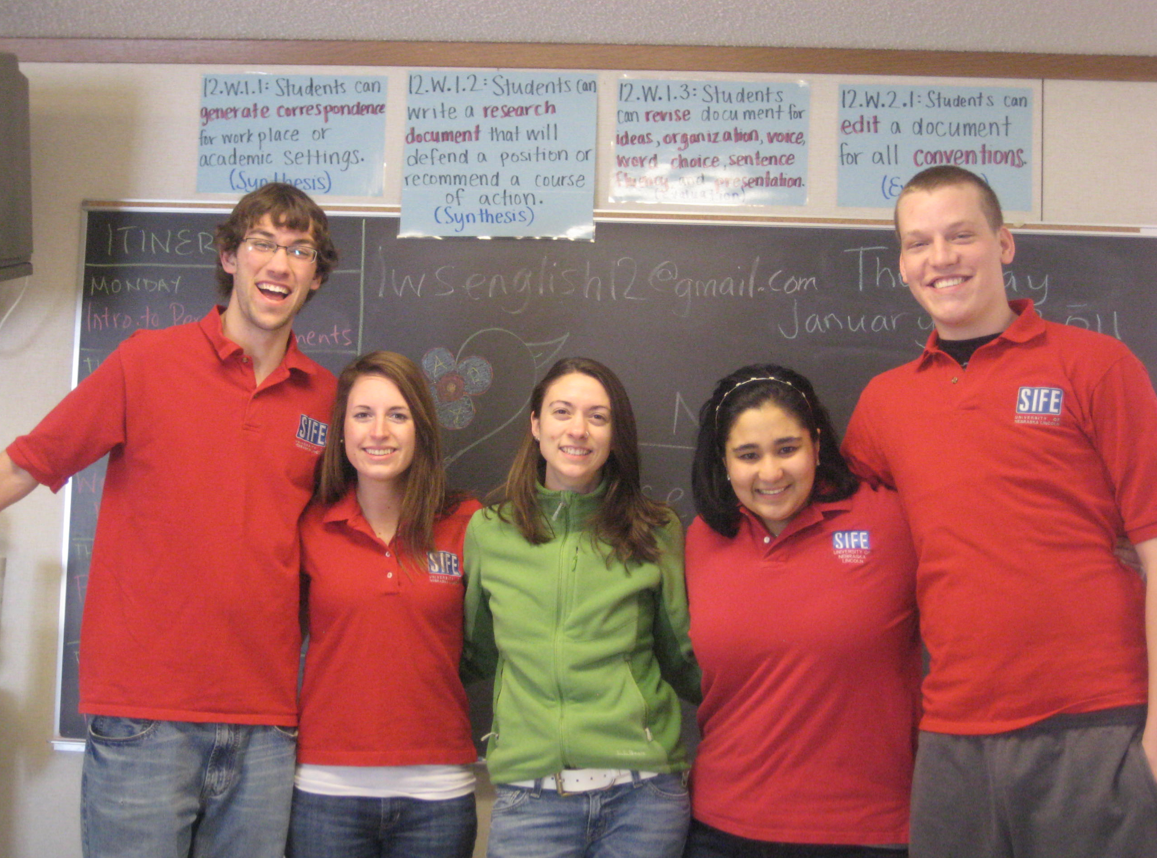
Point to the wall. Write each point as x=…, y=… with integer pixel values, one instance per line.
x=128, y=132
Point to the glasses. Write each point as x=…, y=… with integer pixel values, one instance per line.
x=296, y=252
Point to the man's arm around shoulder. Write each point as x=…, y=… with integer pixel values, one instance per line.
x=15, y=482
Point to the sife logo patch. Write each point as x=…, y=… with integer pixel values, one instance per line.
x=1041, y=406
x=852, y=546
x=443, y=566
x=311, y=434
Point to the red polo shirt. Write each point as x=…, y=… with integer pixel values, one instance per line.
x=381, y=674
x=1017, y=474
x=811, y=674
x=191, y=609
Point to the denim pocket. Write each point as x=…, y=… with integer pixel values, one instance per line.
x=509, y=798
x=667, y=786
x=289, y=733
x=113, y=729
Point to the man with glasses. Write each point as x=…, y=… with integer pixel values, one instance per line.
x=190, y=638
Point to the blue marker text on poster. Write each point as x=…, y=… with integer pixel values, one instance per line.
x=325, y=134
x=706, y=142
x=491, y=153
x=887, y=134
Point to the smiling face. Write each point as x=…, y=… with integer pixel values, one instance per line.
x=268, y=289
x=378, y=434
x=574, y=432
x=771, y=463
x=952, y=260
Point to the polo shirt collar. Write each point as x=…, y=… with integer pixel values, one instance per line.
x=348, y=511
x=225, y=348
x=814, y=513
x=1024, y=327
x=347, y=508
x=295, y=359
x=212, y=326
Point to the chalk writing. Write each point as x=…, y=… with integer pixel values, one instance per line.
x=876, y=269
x=839, y=322
x=143, y=243
x=99, y=284
x=682, y=409
x=622, y=279
x=337, y=337
x=88, y=360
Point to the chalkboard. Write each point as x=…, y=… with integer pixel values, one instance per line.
x=670, y=307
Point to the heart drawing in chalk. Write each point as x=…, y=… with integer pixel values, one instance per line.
x=484, y=387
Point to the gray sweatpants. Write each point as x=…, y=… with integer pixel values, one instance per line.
x=1073, y=786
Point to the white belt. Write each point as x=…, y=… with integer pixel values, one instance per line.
x=583, y=780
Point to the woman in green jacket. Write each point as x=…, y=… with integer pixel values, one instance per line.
x=576, y=603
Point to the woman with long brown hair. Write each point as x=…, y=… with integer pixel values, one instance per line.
x=576, y=604
x=384, y=750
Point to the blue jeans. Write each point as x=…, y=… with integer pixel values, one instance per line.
x=707, y=842
x=174, y=789
x=328, y=826
x=642, y=819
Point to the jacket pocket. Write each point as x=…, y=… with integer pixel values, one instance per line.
x=644, y=706
x=491, y=738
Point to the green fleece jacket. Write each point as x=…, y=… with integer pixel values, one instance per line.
x=584, y=656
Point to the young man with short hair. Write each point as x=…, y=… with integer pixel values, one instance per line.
x=190, y=638
x=1021, y=449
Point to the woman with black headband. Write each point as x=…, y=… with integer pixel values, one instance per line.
x=803, y=618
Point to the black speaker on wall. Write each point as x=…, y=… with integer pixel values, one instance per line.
x=15, y=172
